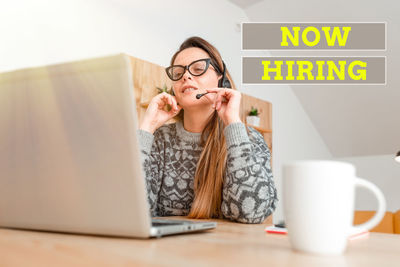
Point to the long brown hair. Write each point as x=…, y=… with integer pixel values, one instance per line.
x=210, y=170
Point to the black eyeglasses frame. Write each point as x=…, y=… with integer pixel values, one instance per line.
x=187, y=67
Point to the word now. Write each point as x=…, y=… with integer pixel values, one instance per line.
x=339, y=33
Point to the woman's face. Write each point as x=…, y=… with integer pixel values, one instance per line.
x=189, y=86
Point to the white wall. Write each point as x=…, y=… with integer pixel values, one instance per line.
x=383, y=171
x=41, y=32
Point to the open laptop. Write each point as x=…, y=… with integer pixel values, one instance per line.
x=69, y=154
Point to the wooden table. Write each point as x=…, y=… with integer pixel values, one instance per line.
x=231, y=244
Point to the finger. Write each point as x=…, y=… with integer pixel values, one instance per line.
x=210, y=98
x=218, y=100
x=166, y=98
x=235, y=98
x=163, y=99
x=160, y=102
x=174, y=103
x=222, y=95
x=225, y=91
x=217, y=89
x=213, y=90
x=173, y=112
x=219, y=104
x=214, y=101
x=169, y=100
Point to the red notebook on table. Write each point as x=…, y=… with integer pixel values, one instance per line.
x=355, y=232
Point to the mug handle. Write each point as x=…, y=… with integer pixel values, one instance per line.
x=375, y=220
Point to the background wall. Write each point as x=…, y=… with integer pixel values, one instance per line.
x=383, y=171
x=44, y=31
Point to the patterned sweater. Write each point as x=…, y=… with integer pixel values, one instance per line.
x=170, y=157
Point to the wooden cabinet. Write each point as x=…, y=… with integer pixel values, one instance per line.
x=148, y=76
x=265, y=109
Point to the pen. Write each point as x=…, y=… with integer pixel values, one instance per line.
x=280, y=225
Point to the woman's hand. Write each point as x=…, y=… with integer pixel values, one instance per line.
x=227, y=110
x=155, y=115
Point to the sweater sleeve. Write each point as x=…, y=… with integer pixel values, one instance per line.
x=152, y=158
x=249, y=193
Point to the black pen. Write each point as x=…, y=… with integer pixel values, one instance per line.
x=280, y=225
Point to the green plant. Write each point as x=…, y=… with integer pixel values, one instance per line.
x=164, y=89
x=253, y=111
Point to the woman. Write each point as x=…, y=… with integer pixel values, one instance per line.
x=207, y=165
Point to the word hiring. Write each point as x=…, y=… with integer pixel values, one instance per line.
x=307, y=67
x=330, y=37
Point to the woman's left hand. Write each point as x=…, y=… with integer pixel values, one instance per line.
x=228, y=111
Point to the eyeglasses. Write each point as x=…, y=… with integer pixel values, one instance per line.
x=196, y=68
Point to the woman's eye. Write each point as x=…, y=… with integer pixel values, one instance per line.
x=177, y=74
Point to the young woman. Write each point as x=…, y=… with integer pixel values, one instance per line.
x=207, y=165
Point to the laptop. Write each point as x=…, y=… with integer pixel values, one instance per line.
x=69, y=155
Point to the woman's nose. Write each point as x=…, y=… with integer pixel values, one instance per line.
x=187, y=75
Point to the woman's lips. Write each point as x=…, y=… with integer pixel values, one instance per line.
x=189, y=90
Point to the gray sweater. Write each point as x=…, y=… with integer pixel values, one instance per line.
x=170, y=157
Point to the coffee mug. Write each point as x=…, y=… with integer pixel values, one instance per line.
x=318, y=201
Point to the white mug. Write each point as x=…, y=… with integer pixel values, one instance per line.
x=318, y=200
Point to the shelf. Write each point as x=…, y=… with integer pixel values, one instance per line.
x=261, y=130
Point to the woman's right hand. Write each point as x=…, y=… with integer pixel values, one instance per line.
x=155, y=115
